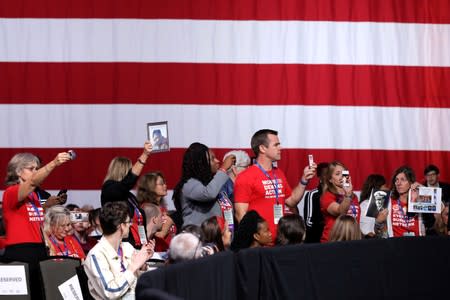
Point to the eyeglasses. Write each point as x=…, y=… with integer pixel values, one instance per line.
x=32, y=168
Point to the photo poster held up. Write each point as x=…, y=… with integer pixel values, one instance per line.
x=426, y=200
x=378, y=200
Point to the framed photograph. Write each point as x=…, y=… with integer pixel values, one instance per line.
x=158, y=135
x=425, y=200
x=378, y=200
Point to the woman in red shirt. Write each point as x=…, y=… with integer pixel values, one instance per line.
x=23, y=214
x=57, y=228
x=337, y=198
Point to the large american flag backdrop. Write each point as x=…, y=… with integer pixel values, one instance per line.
x=365, y=82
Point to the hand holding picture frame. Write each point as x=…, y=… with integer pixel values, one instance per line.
x=158, y=135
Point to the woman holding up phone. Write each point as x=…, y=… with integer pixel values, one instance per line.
x=338, y=197
x=23, y=214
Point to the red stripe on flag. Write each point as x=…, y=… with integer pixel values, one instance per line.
x=410, y=11
x=234, y=84
x=89, y=169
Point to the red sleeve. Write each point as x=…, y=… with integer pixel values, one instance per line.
x=11, y=197
x=242, y=189
x=326, y=200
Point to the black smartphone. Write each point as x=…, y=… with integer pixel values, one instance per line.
x=64, y=191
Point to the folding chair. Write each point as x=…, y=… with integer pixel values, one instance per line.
x=54, y=272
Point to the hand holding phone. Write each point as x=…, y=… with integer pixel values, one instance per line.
x=345, y=178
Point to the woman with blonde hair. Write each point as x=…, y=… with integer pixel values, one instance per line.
x=338, y=197
x=57, y=228
x=345, y=229
x=119, y=180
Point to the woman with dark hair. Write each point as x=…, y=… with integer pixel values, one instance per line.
x=216, y=231
x=119, y=180
x=195, y=195
x=152, y=188
x=253, y=231
x=291, y=230
x=337, y=198
x=398, y=220
x=373, y=182
x=23, y=215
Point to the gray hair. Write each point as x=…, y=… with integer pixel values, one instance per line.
x=17, y=163
x=184, y=246
x=242, y=158
x=54, y=216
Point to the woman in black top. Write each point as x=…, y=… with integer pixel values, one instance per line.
x=120, y=179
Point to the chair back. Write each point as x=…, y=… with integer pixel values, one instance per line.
x=5, y=270
x=55, y=271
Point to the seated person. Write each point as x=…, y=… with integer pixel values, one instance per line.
x=185, y=246
x=113, y=266
x=253, y=231
x=345, y=228
x=59, y=233
x=217, y=233
x=81, y=224
x=291, y=230
x=155, y=221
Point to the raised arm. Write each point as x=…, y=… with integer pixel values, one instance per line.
x=297, y=193
x=28, y=186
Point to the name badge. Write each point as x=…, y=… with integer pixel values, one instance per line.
x=228, y=215
x=409, y=234
x=142, y=235
x=277, y=213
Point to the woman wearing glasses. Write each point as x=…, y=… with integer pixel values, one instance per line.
x=152, y=188
x=113, y=266
x=22, y=212
x=57, y=229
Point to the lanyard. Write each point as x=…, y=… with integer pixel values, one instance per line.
x=404, y=216
x=137, y=213
x=120, y=253
x=56, y=244
x=275, y=185
x=353, y=208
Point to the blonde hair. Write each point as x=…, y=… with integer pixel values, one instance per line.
x=17, y=163
x=345, y=229
x=118, y=168
x=54, y=216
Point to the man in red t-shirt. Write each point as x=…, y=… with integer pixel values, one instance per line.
x=263, y=187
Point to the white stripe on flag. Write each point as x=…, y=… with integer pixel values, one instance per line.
x=225, y=126
x=212, y=41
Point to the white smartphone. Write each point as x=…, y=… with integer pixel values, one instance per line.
x=310, y=160
x=345, y=178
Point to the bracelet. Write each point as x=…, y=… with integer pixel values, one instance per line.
x=305, y=183
x=141, y=162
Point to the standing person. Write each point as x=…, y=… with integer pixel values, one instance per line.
x=152, y=188
x=367, y=224
x=195, y=195
x=399, y=221
x=23, y=215
x=113, y=266
x=263, y=187
x=311, y=211
x=337, y=198
x=120, y=179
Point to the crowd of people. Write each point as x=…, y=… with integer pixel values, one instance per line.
x=230, y=204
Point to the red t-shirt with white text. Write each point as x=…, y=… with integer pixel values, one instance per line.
x=22, y=220
x=325, y=201
x=252, y=186
x=401, y=223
